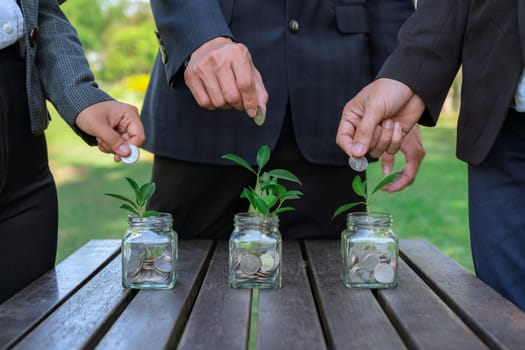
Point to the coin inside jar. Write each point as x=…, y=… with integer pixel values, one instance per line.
x=163, y=264
x=384, y=273
x=358, y=164
x=269, y=261
x=249, y=264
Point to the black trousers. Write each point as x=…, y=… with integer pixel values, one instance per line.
x=203, y=198
x=28, y=198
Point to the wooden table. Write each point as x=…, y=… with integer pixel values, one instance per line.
x=437, y=305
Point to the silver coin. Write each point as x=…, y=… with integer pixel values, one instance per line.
x=358, y=275
x=370, y=261
x=134, y=265
x=163, y=264
x=269, y=260
x=133, y=156
x=358, y=164
x=260, y=117
x=249, y=264
x=384, y=273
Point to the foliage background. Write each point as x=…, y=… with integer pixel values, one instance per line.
x=118, y=36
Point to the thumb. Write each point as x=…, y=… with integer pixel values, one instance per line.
x=113, y=140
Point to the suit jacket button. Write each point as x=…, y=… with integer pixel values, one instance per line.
x=293, y=26
x=34, y=36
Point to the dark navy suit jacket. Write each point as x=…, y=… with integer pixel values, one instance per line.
x=482, y=37
x=339, y=47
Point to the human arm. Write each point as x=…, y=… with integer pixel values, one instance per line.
x=414, y=79
x=220, y=72
x=69, y=85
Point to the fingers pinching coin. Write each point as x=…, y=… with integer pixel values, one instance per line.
x=358, y=164
x=260, y=117
x=133, y=156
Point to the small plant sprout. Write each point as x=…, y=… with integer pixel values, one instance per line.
x=268, y=196
x=359, y=187
x=142, y=194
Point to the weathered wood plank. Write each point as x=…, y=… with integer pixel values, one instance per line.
x=220, y=317
x=423, y=320
x=155, y=318
x=20, y=313
x=497, y=321
x=290, y=310
x=79, y=322
x=353, y=319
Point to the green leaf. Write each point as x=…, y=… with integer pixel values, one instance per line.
x=283, y=209
x=150, y=213
x=285, y=175
x=345, y=207
x=359, y=186
x=129, y=208
x=270, y=200
x=239, y=161
x=133, y=184
x=293, y=194
x=263, y=155
x=147, y=190
x=123, y=198
x=386, y=180
x=260, y=205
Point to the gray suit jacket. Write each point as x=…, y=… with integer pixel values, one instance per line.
x=480, y=36
x=57, y=69
x=310, y=67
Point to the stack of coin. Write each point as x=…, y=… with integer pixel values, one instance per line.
x=371, y=266
x=258, y=266
x=153, y=270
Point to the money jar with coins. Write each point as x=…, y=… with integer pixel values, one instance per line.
x=255, y=243
x=150, y=246
x=370, y=251
x=149, y=252
x=255, y=252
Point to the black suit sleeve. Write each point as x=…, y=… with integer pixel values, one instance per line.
x=429, y=52
x=183, y=26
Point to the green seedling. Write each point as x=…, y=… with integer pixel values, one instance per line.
x=359, y=187
x=268, y=196
x=137, y=205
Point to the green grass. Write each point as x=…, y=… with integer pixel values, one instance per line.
x=434, y=207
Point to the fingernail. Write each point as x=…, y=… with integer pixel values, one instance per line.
x=357, y=148
x=388, y=124
x=251, y=112
x=386, y=170
x=123, y=149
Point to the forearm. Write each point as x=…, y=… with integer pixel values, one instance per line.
x=429, y=52
x=65, y=76
x=185, y=25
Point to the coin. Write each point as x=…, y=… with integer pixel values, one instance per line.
x=269, y=260
x=370, y=261
x=133, y=156
x=134, y=265
x=260, y=117
x=249, y=264
x=163, y=264
x=358, y=275
x=384, y=273
x=358, y=164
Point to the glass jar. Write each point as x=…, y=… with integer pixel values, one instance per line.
x=370, y=251
x=149, y=253
x=255, y=252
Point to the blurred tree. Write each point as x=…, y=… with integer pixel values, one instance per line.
x=118, y=35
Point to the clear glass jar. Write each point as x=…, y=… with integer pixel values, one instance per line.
x=255, y=252
x=149, y=253
x=370, y=251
